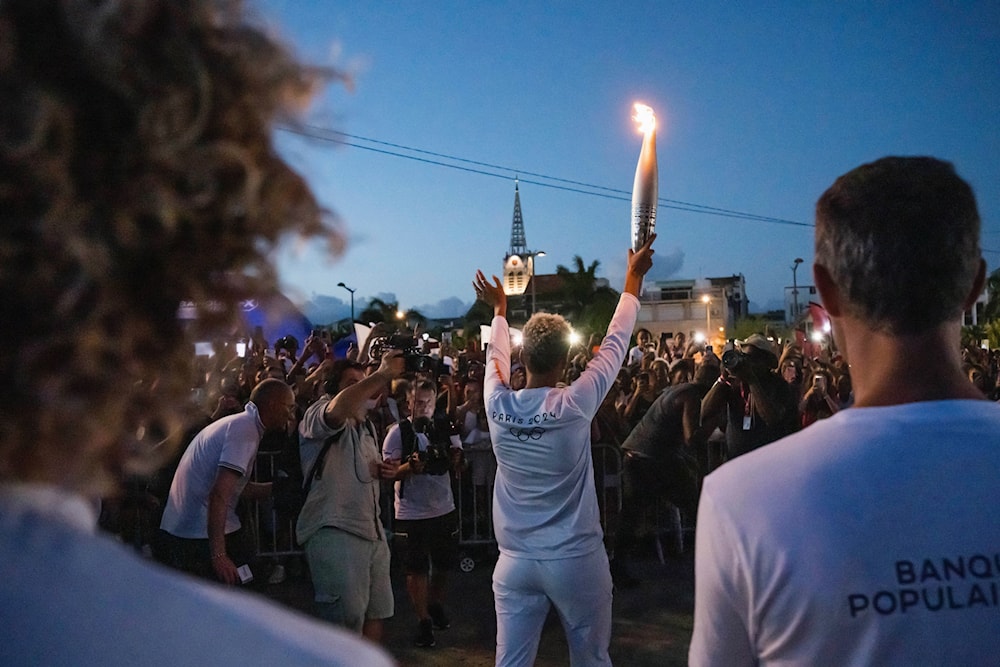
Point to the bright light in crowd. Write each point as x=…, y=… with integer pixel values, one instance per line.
x=516, y=338
x=817, y=337
x=574, y=338
x=826, y=327
x=400, y=314
x=699, y=337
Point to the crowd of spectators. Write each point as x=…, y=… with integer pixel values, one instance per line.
x=666, y=372
x=820, y=385
x=140, y=171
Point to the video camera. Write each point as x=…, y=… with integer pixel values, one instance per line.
x=413, y=360
x=734, y=359
x=437, y=457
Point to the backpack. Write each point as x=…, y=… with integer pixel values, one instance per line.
x=290, y=489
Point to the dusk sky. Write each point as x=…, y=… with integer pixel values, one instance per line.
x=760, y=106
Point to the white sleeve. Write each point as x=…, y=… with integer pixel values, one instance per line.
x=497, y=357
x=589, y=390
x=392, y=446
x=721, y=599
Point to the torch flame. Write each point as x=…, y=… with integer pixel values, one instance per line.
x=645, y=117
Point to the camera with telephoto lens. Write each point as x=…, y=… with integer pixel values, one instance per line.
x=734, y=359
x=437, y=457
x=413, y=360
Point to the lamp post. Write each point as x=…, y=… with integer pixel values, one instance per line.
x=352, y=300
x=707, y=300
x=795, y=289
x=531, y=272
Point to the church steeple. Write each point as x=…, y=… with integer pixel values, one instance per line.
x=517, y=262
x=518, y=244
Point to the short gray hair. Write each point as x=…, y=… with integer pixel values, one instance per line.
x=900, y=238
x=545, y=342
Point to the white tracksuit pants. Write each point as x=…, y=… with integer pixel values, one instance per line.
x=580, y=589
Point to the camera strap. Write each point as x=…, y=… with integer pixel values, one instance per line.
x=410, y=444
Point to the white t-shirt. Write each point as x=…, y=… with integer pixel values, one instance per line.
x=230, y=442
x=869, y=538
x=423, y=496
x=545, y=503
x=69, y=596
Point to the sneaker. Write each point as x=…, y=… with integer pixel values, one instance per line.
x=425, y=635
x=438, y=617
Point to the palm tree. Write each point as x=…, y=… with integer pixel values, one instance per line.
x=378, y=310
x=480, y=313
x=578, y=286
x=992, y=310
x=587, y=304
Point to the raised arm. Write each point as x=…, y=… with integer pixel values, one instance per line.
x=350, y=403
x=491, y=293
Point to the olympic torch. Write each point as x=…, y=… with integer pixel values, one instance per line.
x=645, y=189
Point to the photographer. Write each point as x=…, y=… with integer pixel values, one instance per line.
x=426, y=526
x=339, y=525
x=759, y=407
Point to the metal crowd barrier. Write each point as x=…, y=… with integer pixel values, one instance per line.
x=608, y=482
x=275, y=533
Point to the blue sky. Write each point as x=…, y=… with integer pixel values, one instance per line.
x=761, y=106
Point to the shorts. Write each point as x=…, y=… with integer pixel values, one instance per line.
x=350, y=577
x=427, y=542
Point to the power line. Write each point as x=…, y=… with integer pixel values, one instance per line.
x=345, y=139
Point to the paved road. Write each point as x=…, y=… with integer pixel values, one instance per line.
x=652, y=622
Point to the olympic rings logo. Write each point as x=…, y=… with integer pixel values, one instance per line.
x=524, y=435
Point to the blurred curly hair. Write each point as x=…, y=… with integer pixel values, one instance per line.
x=545, y=342
x=137, y=171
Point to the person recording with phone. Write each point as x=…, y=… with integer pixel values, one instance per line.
x=818, y=401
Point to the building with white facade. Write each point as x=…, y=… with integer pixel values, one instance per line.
x=702, y=309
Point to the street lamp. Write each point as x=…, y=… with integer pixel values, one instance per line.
x=707, y=300
x=531, y=273
x=352, y=300
x=795, y=290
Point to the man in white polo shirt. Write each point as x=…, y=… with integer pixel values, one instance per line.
x=200, y=532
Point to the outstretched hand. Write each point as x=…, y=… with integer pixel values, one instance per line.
x=491, y=293
x=639, y=262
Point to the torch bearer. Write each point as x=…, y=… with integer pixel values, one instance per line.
x=645, y=189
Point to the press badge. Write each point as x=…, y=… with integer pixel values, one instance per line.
x=746, y=422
